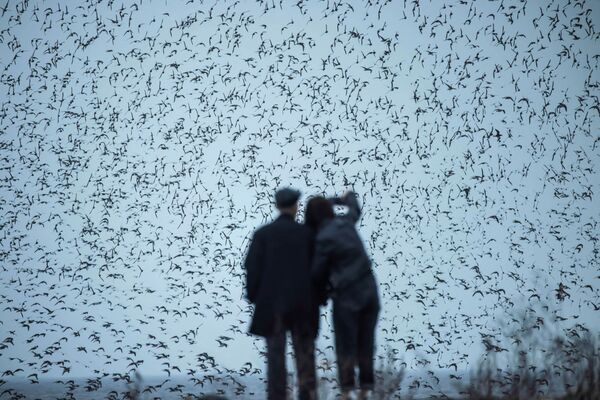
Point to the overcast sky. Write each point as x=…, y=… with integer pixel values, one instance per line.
x=141, y=145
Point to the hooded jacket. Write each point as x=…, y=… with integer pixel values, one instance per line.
x=340, y=259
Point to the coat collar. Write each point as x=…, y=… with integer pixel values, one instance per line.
x=285, y=216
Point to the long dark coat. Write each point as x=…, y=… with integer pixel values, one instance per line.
x=278, y=280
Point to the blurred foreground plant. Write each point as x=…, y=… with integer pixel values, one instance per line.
x=542, y=365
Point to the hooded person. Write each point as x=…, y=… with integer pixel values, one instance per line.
x=342, y=265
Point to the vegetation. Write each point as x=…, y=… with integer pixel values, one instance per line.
x=542, y=365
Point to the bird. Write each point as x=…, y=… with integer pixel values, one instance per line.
x=142, y=143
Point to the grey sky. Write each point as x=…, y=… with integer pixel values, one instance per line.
x=408, y=111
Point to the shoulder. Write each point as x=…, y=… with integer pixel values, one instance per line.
x=305, y=228
x=329, y=231
x=262, y=230
x=304, y=231
x=278, y=225
x=336, y=223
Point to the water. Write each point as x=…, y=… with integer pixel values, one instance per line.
x=182, y=387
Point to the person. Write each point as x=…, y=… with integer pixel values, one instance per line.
x=278, y=283
x=341, y=264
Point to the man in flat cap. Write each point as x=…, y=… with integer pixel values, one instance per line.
x=278, y=265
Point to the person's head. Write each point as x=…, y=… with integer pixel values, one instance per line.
x=318, y=209
x=289, y=210
x=286, y=201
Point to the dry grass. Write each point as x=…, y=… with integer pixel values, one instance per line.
x=570, y=371
x=542, y=365
x=559, y=367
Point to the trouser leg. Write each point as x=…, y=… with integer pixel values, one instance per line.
x=345, y=326
x=366, y=345
x=276, y=370
x=304, y=353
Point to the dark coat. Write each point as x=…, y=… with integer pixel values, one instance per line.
x=278, y=281
x=341, y=261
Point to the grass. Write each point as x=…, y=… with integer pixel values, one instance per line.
x=570, y=371
x=540, y=365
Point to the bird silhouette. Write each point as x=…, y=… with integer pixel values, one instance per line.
x=141, y=144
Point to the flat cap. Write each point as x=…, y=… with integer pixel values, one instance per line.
x=286, y=197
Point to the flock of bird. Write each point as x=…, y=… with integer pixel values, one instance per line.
x=142, y=142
